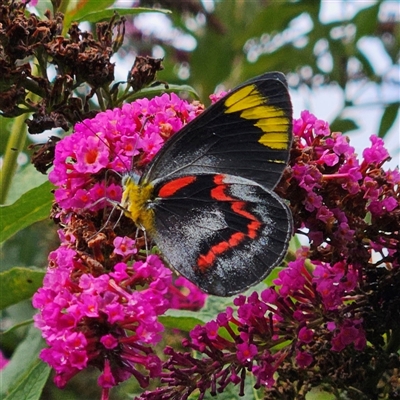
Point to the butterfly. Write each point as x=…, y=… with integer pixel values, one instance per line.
x=207, y=200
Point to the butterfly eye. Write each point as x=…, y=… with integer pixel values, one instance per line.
x=125, y=180
x=129, y=177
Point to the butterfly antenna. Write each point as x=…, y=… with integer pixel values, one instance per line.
x=120, y=214
x=137, y=140
x=114, y=203
x=146, y=243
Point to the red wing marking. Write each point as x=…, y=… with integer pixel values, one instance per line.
x=206, y=261
x=236, y=238
x=170, y=188
x=253, y=228
x=239, y=208
x=219, y=179
x=218, y=193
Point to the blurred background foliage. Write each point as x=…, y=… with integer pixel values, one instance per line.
x=316, y=43
x=217, y=44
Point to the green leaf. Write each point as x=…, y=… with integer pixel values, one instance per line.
x=366, y=20
x=31, y=207
x=182, y=320
x=74, y=11
x=388, y=118
x=18, y=284
x=343, y=125
x=31, y=386
x=319, y=394
x=102, y=15
x=15, y=327
x=25, y=179
x=272, y=276
x=159, y=89
x=23, y=360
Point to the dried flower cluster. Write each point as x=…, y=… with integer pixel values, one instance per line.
x=80, y=58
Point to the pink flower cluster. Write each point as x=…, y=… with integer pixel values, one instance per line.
x=323, y=296
x=334, y=158
x=305, y=311
x=101, y=297
x=111, y=141
x=336, y=198
x=86, y=319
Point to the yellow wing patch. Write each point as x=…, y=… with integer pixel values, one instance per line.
x=272, y=120
x=243, y=99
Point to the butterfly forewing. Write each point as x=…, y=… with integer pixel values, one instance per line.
x=222, y=232
x=247, y=132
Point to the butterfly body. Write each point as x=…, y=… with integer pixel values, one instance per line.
x=136, y=200
x=206, y=198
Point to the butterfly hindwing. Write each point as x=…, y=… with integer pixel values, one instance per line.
x=222, y=232
x=247, y=132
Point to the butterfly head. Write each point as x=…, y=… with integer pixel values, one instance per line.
x=136, y=200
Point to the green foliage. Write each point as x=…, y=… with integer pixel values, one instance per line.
x=31, y=385
x=103, y=15
x=319, y=394
x=162, y=88
x=76, y=11
x=238, y=40
x=183, y=320
x=31, y=207
x=235, y=41
x=25, y=375
x=18, y=284
x=388, y=118
x=343, y=125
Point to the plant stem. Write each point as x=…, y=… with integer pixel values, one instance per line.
x=16, y=143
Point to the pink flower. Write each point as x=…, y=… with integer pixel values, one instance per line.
x=304, y=359
x=377, y=152
x=109, y=341
x=185, y=295
x=3, y=361
x=350, y=332
x=306, y=335
x=107, y=379
x=216, y=96
x=321, y=128
x=124, y=246
x=246, y=352
x=211, y=329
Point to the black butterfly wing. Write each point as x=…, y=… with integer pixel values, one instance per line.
x=222, y=232
x=247, y=133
